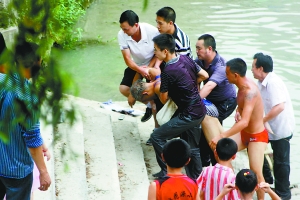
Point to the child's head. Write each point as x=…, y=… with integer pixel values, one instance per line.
x=176, y=153
x=226, y=148
x=246, y=181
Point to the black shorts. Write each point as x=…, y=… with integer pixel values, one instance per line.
x=128, y=77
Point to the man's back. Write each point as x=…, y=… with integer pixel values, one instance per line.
x=179, y=79
x=249, y=94
x=15, y=152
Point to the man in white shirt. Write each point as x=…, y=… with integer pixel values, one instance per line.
x=137, y=47
x=279, y=114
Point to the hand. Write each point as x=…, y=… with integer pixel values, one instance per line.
x=237, y=116
x=45, y=181
x=264, y=186
x=47, y=154
x=214, y=142
x=227, y=188
x=144, y=71
x=131, y=100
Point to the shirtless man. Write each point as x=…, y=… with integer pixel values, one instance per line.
x=248, y=131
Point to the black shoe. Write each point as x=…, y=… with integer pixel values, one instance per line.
x=148, y=115
x=160, y=174
x=149, y=142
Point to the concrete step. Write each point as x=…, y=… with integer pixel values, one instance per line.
x=70, y=170
x=133, y=177
x=100, y=155
x=126, y=158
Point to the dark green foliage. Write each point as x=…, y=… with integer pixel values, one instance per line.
x=43, y=23
x=5, y=16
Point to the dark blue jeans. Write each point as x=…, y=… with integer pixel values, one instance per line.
x=281, y=166
x=188, y=129
x=225, y=108
x=16, y=189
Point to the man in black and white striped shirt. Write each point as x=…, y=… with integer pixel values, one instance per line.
x=165, y=22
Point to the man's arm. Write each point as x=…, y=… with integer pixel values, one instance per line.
x=154, y=63
x=163, y=96
x=201, y=76
x=274, y=112
x=266, y=187
x=38, y=157
x=131, y=64
x=207, y=88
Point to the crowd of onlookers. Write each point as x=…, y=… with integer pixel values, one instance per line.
x=204, y=91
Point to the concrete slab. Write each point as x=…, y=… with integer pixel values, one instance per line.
x=70, y=172
x=132, y=170
x=100, y=155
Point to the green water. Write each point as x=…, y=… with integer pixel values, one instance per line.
x=96, y=70
x=241, y=29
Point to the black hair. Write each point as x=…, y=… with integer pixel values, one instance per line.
x=226, y=148
x=176, y=153
x=237, y=65
x=264, y=61
x=129, y=16
x=27, y=54
x=167, y=13
x=165, y=41
x=209, y=40
x=246, y=181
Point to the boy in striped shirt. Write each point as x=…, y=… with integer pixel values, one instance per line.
x=213, y=178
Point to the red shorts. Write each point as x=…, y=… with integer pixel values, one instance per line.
x=258, y=137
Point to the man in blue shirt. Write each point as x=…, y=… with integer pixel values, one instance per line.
x=216, y=88
x=24, y=143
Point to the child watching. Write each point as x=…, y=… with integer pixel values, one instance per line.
x=213, y=178
x=175, y=185
x=246, y=184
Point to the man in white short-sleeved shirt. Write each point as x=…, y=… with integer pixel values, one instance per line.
x=137, y=47
x=279, y=114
